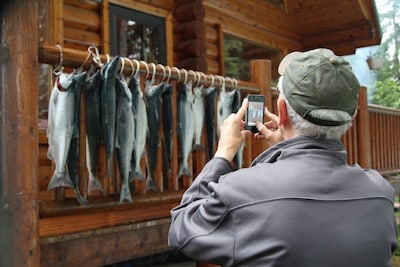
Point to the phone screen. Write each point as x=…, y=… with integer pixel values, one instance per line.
x=255, y=111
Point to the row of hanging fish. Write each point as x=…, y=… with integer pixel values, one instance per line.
x=126, y=121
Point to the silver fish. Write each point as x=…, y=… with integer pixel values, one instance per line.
x=108, y=109
x=199, y=113
x=185, y=127
x=210, y=119
x=78, y=83
x=60, y=129
x=125, y=133
x=166, y=107
x=141, y=128
x=235, y=107
x=224, y=107
x=153, y=97
x=93, y=129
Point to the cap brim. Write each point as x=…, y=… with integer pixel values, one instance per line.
x=286, y=61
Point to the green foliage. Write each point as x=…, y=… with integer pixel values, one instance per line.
x=387, y=87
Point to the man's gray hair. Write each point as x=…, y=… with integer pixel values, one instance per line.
x=306, y=128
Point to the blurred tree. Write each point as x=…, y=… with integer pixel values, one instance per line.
x=387, y=87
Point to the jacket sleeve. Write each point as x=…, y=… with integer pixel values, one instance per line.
x=195, y=222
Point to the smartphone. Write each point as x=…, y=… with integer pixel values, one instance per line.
x=255, y=112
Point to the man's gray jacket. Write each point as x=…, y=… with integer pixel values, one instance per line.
x=299, y=204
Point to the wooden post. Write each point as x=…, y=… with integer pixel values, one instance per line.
x=19, y=119
x=260, y=74
x=363, y=131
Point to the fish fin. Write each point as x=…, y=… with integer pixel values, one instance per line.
x=151, y=185
x=125, y=193
x=136, y=175
x=81, y=200
x=59, y=180
x=198, y=147
x=184, y=170
x=94, y=184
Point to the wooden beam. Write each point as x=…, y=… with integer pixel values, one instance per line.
x=19, y=139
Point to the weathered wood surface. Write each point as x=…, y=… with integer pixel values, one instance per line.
x=19, y=118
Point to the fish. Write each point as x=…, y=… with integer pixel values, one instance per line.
x=93, y=128
x=60, y=128
x=108, y=109
x=236, y=102
x=167, y=124
x=185, y=127
x=153, y=98
x=198, y=116
x=78, y=77
x=224, y=107
x=141, y=128
x=209, y=102
x=125, y=134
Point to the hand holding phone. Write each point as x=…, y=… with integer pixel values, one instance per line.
x=255, y=112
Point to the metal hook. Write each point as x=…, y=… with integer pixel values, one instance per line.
x=59, y=68
x=186, y=75
x=212, y=80
x=132, y=68
x=121, y=71
x=169, y=73
x=137, y=67
x=178, y=73
x=163, y=69
x=147, y=68
x=154, y=72
x=194, y=76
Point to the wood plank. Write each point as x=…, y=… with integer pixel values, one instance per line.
x=87, y=5
x=19, y=136
x=72, y=35
x=82, y=19
x=81, y=222
x=106, y=246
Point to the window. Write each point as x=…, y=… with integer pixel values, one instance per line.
x=238, y=53
x=137, y=35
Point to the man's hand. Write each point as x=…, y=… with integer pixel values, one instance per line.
x=232, y=134
x=269, y=130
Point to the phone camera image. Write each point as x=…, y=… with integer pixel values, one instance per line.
x=255, y=112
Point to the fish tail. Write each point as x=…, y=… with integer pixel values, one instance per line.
x=198, y=147
x=94, y=184
x=81, y=200
x=109, y=167
x=150, y=184
x=125, y=193
x=59, y=180
x=136, y=174
x=184, y=170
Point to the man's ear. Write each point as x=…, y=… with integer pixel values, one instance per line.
x=283, y=117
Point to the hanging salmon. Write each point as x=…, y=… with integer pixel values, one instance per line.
x=125, y=133
x=62, y=126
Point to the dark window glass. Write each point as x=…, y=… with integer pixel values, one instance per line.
x=137, y=35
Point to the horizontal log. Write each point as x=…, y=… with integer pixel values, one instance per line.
x=190, y=11
x=257, y=14
x=212, y=51
x=72, y=35
x=190, y=48
x=211, y=33
x=213, y=66
x=257, y=35
x=190, y=30
x=106, y=246
x=82, y=19
x=159, y=8
x=74, y=58
x=88, y=221
x=86, y=4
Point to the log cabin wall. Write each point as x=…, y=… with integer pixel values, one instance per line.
x=55, y=231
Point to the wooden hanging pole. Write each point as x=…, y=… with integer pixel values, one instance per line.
x=73, y=58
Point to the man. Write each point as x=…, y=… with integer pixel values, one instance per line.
x=299, y=203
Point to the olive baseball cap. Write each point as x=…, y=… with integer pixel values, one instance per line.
x=319, y=80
